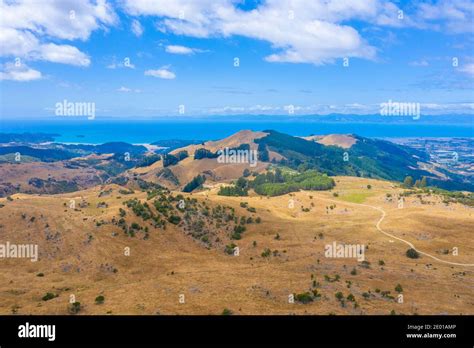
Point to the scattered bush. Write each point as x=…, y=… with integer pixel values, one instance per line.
x=232, y=191
x=195, y=183
x=229, y=249
x=75, y=307
x=49, y=296
x=304, y=298
x=204, y=153
x=270, y=184
x=99, y=299
x=412, y=253
x=227, y=311
x=266, y=253
x=174, y=219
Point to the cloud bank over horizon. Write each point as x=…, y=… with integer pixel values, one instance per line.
x=229, y=56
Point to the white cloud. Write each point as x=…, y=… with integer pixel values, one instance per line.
x=452, y=16
x=300, y=31
x=68, y=19
x=422, y=62
x=64, y=54
x=162, y=73
x=19, y=73
x=446, y=108
x=17, y=43
x=127, y=90
x=328, y=109
x=468, y=69
x=126, y=63
x=176, y=49
x=311, y=33
x=137, y=28
x=124, y=89
x=28, y=25
x=26, y=46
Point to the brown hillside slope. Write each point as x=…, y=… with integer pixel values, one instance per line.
x=241, y=137
x=341, y=140
x=78, y=258
x=214, y=171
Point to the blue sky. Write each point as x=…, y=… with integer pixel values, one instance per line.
x=182, y=52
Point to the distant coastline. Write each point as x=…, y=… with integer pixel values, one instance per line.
x=149, y=131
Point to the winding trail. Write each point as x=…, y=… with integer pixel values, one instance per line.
x=397, y=238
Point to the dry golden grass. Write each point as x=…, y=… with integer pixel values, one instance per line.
x=341, y=140
x=21, y=173
x=151, y=279
x=235, y=140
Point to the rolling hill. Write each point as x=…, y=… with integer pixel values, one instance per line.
x=349, y=155
x=131, y=249
x=65, y=168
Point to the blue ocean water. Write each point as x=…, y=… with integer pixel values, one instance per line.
x=147, y=131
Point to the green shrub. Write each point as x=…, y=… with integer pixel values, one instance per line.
x=174, y=219
x=49, y=296
x=204, y=153
x=236, y=236
x=229, y=249
x=239, y=229
x=75, y=307
x=304, y=297
x=232, y=191
x=227, y=311
x=169, y=160
x=412, y=253
x=195, y=183
x=99, y=299
x=270, y=185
